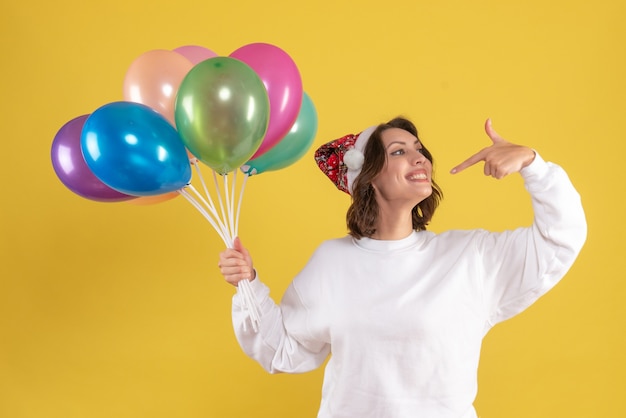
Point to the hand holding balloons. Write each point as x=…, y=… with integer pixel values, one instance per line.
x=247, y=107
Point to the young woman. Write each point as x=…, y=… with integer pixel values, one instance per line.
x=404, y=310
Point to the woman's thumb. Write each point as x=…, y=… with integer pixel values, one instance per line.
x=237, y=245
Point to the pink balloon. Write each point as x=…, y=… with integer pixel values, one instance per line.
x=153, y=79
x=195, y=53
x=281, y=78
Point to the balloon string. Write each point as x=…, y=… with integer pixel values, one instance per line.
x=243, y=187
x=250, y=303
x=219, y=196
x=226, y=227
x=206, y=190
x=212, y=210
x=208, y=217
x=210, y=205
x=229, y=210
x=232, y=205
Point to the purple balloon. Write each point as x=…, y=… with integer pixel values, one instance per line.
x=71, y=168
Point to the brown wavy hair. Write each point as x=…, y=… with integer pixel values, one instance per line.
x=363, y=212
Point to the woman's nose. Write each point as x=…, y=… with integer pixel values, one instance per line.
x=417, y=157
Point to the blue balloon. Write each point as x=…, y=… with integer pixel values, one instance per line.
x=133, y=149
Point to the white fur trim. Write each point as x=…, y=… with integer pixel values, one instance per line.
x=359, y=146
x=353, y=158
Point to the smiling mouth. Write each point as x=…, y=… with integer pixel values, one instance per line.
x=418, y=176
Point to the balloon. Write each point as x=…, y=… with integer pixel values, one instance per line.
x=152, y=200
x=71, y=168
x=195, y=53
x=222, y=112
x=282, y=80
x=153, y=79
x=292, y=147
x=134, y=150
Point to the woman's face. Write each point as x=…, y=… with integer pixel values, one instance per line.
x=406, y=175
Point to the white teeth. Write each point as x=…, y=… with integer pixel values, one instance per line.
x=420, y=176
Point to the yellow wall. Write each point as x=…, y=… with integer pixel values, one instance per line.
x=117, y=310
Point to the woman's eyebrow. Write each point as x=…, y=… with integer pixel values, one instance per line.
x=417, y=142
x=395, y=142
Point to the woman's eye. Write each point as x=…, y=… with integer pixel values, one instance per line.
x=398, y=152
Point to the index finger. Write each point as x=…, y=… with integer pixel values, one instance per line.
x=479, y=156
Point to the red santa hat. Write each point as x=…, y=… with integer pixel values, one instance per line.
x=341, y=160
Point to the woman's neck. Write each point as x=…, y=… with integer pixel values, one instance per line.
x=393, y=224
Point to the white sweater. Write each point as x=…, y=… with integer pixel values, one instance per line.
x=404, y=320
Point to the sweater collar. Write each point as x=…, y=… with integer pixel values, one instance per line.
x=378, y=245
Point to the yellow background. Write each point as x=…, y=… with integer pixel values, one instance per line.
x=118, y=310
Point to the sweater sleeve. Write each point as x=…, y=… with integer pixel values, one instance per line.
x=520, y=266
x=282, y=343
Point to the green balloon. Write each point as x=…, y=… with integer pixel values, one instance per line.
x=222, y=112
x=292, y=146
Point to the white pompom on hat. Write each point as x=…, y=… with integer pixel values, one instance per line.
x=341, y=160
